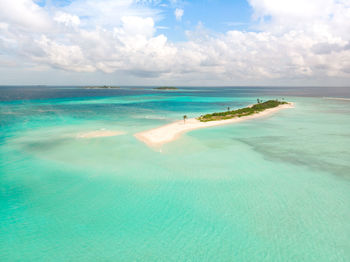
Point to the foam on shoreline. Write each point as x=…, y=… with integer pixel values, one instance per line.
x=167, y=133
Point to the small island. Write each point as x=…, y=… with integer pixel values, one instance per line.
x=246, y=111
x=166, y=88
x=158, y=136
x=102, y=87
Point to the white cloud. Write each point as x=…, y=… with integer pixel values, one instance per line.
x=312, y=16
x=296, y=8
x=178, y=14
x=68, y=57
x=24, y=14
x=136, y=26
x=299, y=40
x=108, y=13
x=66, y=19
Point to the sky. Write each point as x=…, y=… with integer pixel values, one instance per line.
x=175, y=42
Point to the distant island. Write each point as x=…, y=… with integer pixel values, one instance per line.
x=166, y=88
x=102, y=87
x=246, y=111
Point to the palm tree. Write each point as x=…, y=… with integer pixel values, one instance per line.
x=185, y=117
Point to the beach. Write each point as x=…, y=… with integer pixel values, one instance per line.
x=170, y=132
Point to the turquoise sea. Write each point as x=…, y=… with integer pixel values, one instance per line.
x=270, y=189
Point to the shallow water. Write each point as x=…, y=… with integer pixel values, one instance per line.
x=270, y=189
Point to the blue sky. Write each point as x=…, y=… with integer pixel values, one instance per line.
x=217, y=16
x=177, y=42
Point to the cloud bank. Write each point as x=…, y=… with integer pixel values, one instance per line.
x=291, y=40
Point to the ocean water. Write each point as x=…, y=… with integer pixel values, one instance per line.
x=269, y=189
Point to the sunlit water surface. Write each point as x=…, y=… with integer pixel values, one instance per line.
x=271, y=189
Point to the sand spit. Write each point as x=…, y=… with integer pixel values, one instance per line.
x=167, y=133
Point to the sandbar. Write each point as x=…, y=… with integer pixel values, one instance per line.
x=337, y=98
x=167, y=133
x=99, y=133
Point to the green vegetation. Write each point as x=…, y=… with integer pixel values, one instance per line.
x=166, y=88
x=102, y=87
x=261, y=106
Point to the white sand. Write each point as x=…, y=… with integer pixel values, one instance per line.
x=99, y=133
x=164, y=134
